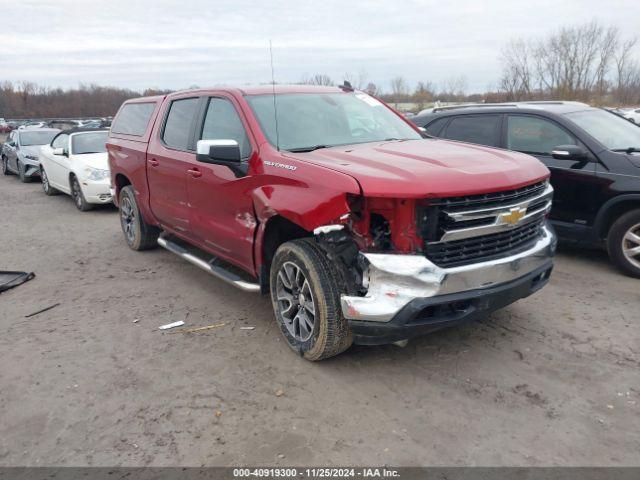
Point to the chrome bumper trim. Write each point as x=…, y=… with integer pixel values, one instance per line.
x=392, y=281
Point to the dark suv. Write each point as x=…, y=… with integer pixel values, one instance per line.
x=593, y=155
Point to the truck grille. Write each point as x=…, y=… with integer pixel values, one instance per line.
x=463, y=230
x=485, y=247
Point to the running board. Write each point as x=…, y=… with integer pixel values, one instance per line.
x=214, y=270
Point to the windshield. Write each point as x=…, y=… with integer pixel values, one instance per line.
x=37, y=137
x=308, y=120
x=94, y=142
x=613, y=132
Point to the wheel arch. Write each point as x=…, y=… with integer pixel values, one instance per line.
x=612, y=210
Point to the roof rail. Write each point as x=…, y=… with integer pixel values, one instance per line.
x=474, y=105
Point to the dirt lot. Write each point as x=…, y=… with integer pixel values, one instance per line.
x=551, y=380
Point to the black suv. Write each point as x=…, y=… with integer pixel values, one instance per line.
x=593, y=155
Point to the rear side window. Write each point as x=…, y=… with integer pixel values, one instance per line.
x=133, y=119
x=434, y=128
x=177, y=128
x=535, y=135
x=480, y=129
x=223, y=123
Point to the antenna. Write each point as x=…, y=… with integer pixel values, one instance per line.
x=273, y=89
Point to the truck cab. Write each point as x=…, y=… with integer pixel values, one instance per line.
x=328, y=200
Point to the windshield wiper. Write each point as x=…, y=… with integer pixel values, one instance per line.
x=307, y=149
x=627, y=150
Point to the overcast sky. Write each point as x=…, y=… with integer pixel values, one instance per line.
x=177, y=44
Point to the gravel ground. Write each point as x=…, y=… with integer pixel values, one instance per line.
x=551, y=380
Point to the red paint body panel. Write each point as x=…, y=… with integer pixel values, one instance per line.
x=227, y=215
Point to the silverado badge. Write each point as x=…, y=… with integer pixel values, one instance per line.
x=513, y=216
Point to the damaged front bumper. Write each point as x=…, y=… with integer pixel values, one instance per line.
x=408, y=295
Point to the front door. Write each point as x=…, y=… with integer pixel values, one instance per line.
x=222, y=214
x=169, y=159
x=58, y=166
x=575, y=186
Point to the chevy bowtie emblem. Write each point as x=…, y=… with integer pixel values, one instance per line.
x=513, y=216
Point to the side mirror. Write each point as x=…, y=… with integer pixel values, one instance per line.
x=569, y=152
x=58, y=151
x=220, y=152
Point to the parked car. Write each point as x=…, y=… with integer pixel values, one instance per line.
x=594, y=158
x=361, y=230
x=21, y=150
x=5, y=127
x=32, y=125
x=632, y=114
x=65, y=124
x=76, y=163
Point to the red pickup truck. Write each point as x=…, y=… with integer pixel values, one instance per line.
x=360, y=229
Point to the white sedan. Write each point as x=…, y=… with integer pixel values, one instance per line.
x=76, y=163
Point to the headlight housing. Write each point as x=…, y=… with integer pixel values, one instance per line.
x=31, y=157
x=96, y=174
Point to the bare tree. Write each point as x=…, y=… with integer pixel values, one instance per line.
x=575, y=62
x=317, y=79
x=373, y=89
x=424, y=93
x=454, y=89
x=358, y=80
x=399, y=90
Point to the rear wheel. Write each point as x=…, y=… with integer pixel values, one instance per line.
x=624, y=243
x=22, y=173
x=46, y=187
x=78, y=196
x=5, y=166
x=305, y=293
x=138, y=234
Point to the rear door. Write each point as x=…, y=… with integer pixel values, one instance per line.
x=169, y=159
x=575, y=201
x=222, y=213
x=480, y=129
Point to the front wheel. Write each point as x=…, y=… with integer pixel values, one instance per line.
x=78, y=196
x=305, y=293
x=22, y=173
x=138, y=233
x=623, y=243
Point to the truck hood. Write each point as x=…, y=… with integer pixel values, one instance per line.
x=428, y=168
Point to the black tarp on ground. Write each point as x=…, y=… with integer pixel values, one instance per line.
x=13, y=279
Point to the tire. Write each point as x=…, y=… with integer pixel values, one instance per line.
x=318, y=330
x=5, y=166
x=22, y=173
x=46, y=187
x=138, y=234
x=623, y=243
x=77, y=195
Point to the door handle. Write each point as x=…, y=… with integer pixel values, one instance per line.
x=153, y=162
x=194, y=172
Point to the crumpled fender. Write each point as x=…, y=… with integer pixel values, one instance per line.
x=309, y=196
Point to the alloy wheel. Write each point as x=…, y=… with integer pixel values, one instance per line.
x=76, y=193
x=297, y=305
x=45, y=181
x=128, y=219
x=631, y=245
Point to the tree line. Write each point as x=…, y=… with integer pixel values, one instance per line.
x=589, y=62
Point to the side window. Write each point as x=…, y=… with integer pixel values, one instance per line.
x=535, y=135
x=61, y=141
x=223, y=123
x=133, y=119
x=177, y=128
x=481, y=129
x=434, y=128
